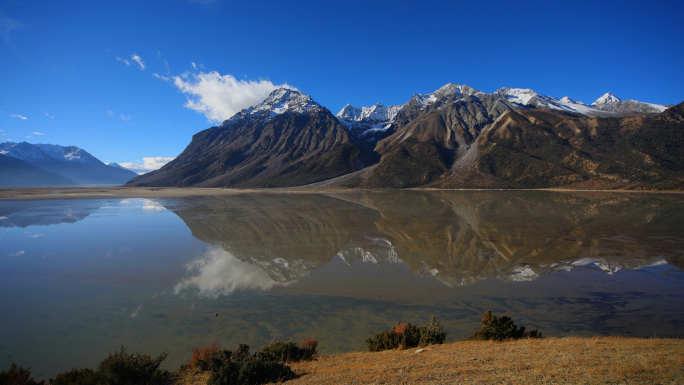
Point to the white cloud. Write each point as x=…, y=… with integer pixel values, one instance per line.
x=193, y=65
x=166, y=64
x=36, y=133
x=110, y=112
x=37, y=235
x=220, y=97
x=18, y=253
x=125, y=118
x=19, y=116
x=49, y=116
x=138, y=60
x=125, y=61
x=156, y=75
x=218, y=273
x=149, y=204
x=150, y=163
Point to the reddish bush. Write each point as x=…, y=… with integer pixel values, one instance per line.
x=202, y=353
x=399, y=329
x=308, y=348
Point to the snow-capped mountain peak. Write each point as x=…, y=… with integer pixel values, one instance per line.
x=522, y=96
x=116, y=165
x=286, y=99
x=567, y=100
x=446, y=91
x=374, y=113
x=67, y=153
x=607, y=98
x=46, y=152
x=279, y=101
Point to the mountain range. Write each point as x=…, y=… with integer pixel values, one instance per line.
x=455, y=137
x=39, y=165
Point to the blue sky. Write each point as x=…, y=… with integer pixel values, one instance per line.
x=69, y=67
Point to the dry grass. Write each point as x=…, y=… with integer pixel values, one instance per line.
x=611, y=360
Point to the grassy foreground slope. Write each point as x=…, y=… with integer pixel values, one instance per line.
x=565, y=360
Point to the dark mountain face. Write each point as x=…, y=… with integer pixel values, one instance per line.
x=531, y=148
x=453, y=120
x=265, y=146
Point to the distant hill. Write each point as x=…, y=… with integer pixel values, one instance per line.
x=76, y=166
x=18, y=173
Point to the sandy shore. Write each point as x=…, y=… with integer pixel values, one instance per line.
x=46, y=193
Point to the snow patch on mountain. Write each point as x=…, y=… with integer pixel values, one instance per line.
x=67, y=153
x=376, y=113
x=36, y=153
x=610, y=102
x=280, y=101
x=607, y=98
x=449, y=90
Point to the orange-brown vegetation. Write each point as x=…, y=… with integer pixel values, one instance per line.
x=527, y=361
x=202, y=353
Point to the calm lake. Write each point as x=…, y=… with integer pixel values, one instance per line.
x=80, y=278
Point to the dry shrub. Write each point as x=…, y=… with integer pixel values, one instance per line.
x=201, y=355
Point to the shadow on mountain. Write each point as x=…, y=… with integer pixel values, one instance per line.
x=458, y=237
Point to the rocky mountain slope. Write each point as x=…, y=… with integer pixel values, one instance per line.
x=471, y=140
x=73, y=166
x=612, y=103
x=287, y=140
x=456, y=136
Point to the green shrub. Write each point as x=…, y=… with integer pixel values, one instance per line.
x=432, y=333
x=76, y=377
x=122, y=368
x=240, y=367
x=17, y=375
x=501, y=329
x=289, y=351
x=404, y=336
x=119, y=368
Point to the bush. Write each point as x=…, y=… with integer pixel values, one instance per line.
x=17, y=375
x=135, y=368
x=76, y=377
x=308, y=348
x=289, y=351
x=239, y=367
x=501, y=329
x=201, y=357
x=404, y=336
x=119, y=368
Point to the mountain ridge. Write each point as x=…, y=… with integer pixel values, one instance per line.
x=75, y=165
x=433, y=139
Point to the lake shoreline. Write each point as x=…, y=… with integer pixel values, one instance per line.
x=553, y=360
x=49, y=193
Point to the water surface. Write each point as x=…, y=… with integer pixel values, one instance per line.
x=80, y=278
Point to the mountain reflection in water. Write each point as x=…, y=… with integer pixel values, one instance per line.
x=458, y=237
x=79, y=278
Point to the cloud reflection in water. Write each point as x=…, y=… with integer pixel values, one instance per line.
x=218, y=273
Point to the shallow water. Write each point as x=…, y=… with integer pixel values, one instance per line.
x=80, y=278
